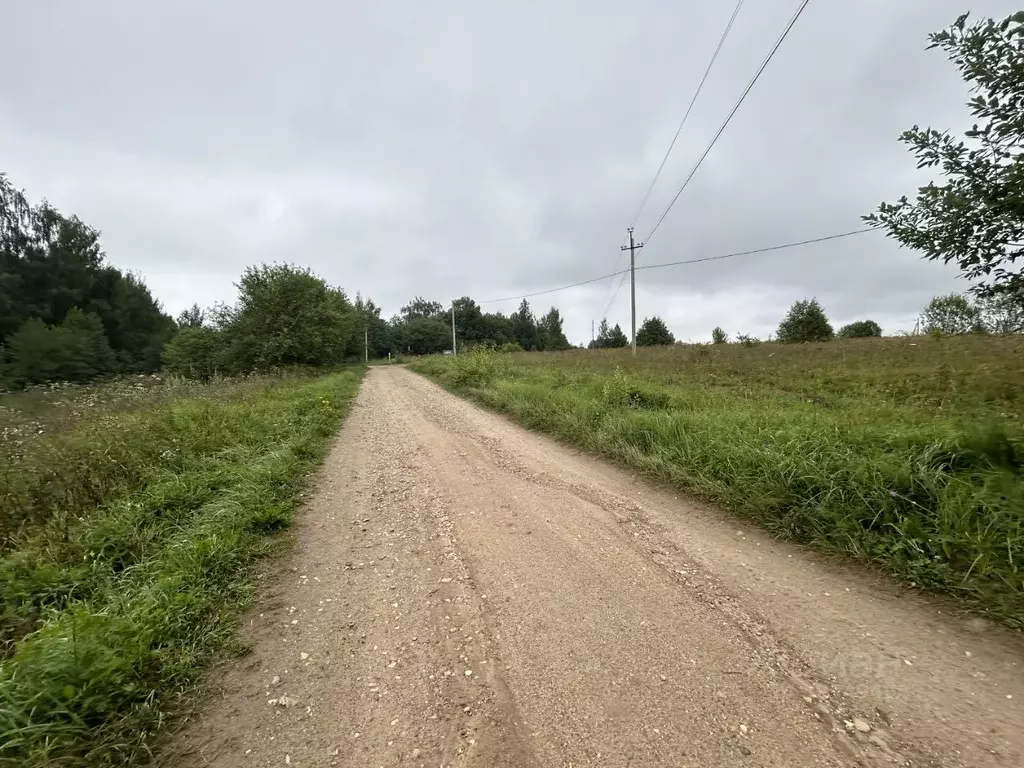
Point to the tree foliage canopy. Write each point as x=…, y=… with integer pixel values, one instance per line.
x=75, y=350
x=550, y=335
x=976, y=218
x=860, y=329
x=1002, y=313
x=654, y=333
x=952, y=314
x=609, y=338
x=287, y=315
x=196, y=352
x=51, y=265
x=417, y=329
x=806, y=321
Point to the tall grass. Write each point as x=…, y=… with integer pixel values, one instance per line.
x=138, y=558
x=911, y=457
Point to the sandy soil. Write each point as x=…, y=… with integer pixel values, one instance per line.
x=466, y=593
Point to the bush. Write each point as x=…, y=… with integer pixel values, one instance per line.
x=719, y=336
x=288, y=316
x=196, y=352
x=477, y=368
x=806, y=321
x=654, y=333
x=76, y=350
x=860, y=330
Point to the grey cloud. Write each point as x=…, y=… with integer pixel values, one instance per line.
x=485, y=148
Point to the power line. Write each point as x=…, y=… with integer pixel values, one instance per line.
x=732, y=113
x=553, y=290
x=696, y=94
x=615, y=293
x=760, y=250
x=609, y=297
x=625, y=272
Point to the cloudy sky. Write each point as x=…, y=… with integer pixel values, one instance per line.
x=486, y=148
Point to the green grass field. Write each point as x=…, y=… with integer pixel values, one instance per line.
x=906, y=453
x=128, y=536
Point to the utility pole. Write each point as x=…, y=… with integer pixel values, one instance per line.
x=366, y=345
x=632, y=248
x=592, y=336
x=453, y=329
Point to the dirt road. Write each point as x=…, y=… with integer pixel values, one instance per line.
x=465, y=593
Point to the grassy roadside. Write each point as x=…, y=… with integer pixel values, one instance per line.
x=907, y=457
x=143, y=527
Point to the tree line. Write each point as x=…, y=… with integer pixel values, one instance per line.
x=951, y=314
x=424, y=327
x=288, y=316
x=65, y=313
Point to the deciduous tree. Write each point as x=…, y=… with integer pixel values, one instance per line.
x=975, y=218
x=287, y=315
x=952, y=314
x=805, y=321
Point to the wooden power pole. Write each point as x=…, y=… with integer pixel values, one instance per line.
x=632, y=248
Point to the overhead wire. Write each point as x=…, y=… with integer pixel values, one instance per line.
x=609, y=297
x=729, y=117
x=759, y=250
x=550, y=290
x=624, y=272
x=689, y=109
x=732, y=113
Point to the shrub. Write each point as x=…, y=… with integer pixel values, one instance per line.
x=860, y=330
x=474, y=369
x=654, y=333
x=196, y=352
x=76, y=350
x=806, y=321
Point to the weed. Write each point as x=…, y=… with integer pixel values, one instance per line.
x=128, y=581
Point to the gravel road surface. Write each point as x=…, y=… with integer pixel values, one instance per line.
x=466, y=593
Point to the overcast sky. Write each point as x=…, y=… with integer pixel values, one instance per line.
x=486, y=148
